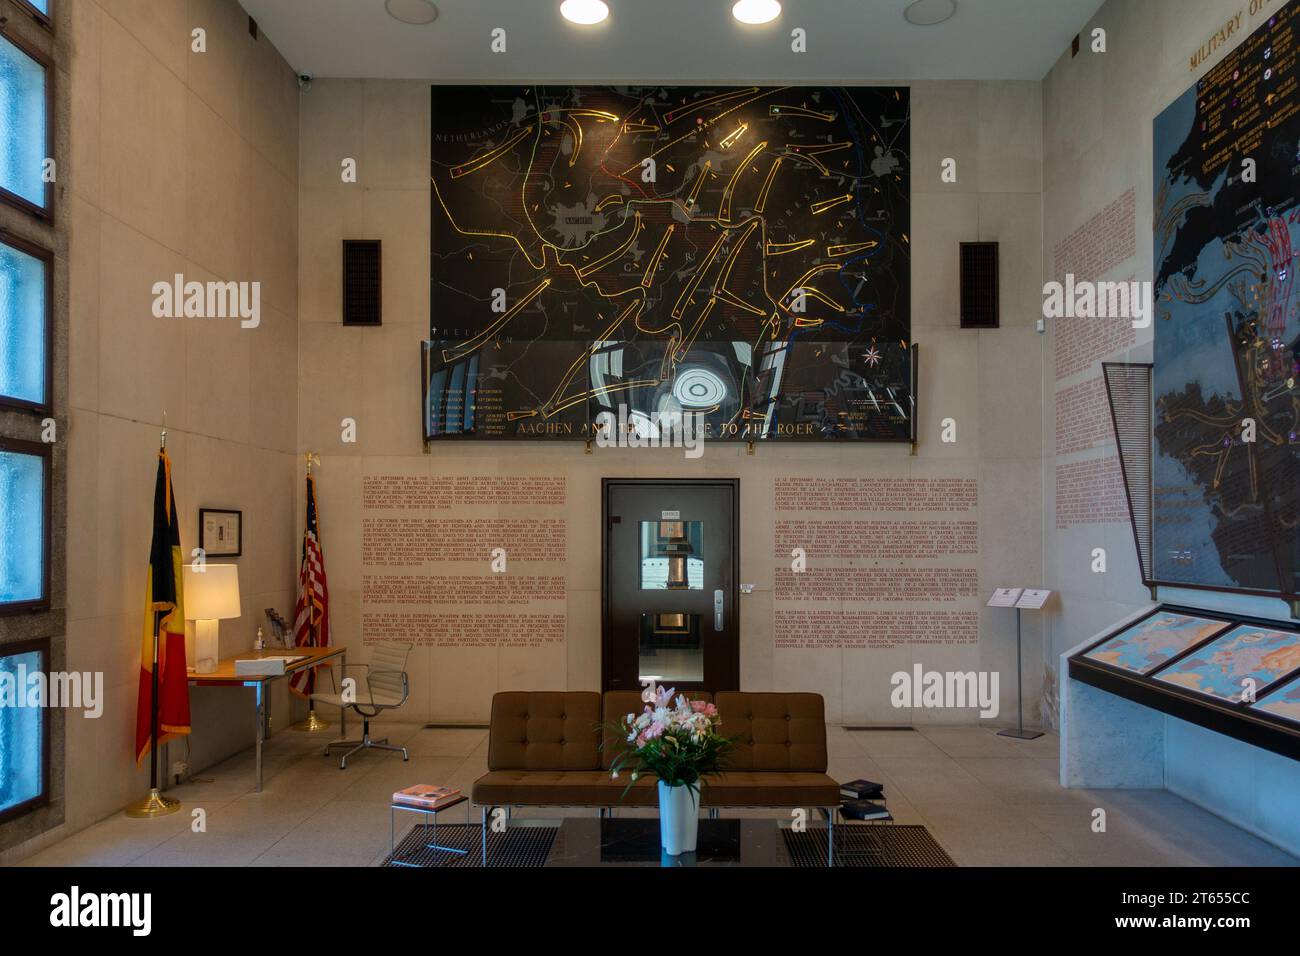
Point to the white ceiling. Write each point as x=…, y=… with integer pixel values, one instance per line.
x=678, y=41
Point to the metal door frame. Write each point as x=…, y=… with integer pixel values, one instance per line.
x=606, y=633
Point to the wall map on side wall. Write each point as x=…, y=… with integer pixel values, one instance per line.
x=1227, y=329
x=741, y=253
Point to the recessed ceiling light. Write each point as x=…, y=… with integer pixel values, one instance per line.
x=585, y=12
x=756, y=11
x=417, y=12
x=926, y=13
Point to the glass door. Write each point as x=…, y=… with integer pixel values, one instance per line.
x=670, y=584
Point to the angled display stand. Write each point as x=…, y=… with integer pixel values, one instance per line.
x=1161, y=659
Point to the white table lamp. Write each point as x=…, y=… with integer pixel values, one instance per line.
x=211, y=595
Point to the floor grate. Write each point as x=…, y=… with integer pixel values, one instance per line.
x=518, y=846
x=879, y=845
x=856, y=729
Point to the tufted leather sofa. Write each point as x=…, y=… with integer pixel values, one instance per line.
x=549, y=748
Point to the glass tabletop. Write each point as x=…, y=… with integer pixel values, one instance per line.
x=584, y=841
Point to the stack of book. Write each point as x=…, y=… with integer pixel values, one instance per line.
x=424, y=796
x=858, y=801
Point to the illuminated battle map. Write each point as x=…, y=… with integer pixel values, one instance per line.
x=1227, y=332
x=741, y=254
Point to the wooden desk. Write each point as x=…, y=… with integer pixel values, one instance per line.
x=225, y=676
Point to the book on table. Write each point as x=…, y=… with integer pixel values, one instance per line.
x=427, y=796
x=862, y=790
x=864, y=810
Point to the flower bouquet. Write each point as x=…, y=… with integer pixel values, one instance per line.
x=677, y=740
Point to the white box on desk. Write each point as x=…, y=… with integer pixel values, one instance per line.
x=263, y=666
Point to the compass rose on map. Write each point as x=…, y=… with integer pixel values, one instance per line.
x=872, y=356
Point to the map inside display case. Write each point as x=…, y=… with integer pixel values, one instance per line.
x=1283, y=702
x=1150, y=644
x=1220, y=667
x=1226, y=495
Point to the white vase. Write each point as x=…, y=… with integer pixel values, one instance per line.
x=679, y=819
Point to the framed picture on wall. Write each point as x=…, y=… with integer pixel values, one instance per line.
x=221, y=532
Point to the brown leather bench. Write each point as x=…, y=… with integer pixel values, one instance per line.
x=545, y=750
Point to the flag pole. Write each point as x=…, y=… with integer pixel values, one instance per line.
x=155, y=805
x=313, y=723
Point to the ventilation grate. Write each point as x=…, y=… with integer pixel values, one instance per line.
x=516, y=847
x=979, y=285
x=362, y=282
x=857, y=729
x=856, y=845
x=1128, y=389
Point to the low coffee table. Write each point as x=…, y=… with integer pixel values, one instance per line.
x=634, y=841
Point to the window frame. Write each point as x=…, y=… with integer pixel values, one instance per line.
x=42, y=799
x=37, y=251
x=41, y=450
x=44, y=19
x=44, y=213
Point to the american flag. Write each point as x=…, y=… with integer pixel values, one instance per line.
x=311, y=615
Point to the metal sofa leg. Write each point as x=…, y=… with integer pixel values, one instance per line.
x=830, y=835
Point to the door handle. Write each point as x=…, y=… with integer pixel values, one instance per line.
x=717, y=609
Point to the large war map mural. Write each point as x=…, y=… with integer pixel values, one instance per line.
x=638, y=253
x=1227, y=330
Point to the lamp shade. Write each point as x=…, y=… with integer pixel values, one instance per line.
x=212, y=594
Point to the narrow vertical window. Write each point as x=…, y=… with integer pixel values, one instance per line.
x=25, y=142
x=24, y=525
x=24, y=737
x=25, y=294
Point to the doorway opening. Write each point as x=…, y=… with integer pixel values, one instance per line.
x=670, y=564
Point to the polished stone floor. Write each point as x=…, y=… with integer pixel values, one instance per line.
x=988, y=800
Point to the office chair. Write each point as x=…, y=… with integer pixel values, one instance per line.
x=386, y=687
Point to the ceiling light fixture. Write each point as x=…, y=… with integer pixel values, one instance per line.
x=415, y=12
x=756, y=11
x=927, y=13
x=585, y=12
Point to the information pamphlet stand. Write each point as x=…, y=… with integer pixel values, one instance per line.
x=1020, y=598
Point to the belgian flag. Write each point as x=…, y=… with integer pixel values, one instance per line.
x=164, y=614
